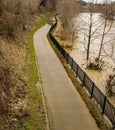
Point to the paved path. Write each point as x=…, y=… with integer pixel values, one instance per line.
x=66, y=110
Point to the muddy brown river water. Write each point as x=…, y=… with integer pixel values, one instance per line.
x=108, y=52
x=82, y=23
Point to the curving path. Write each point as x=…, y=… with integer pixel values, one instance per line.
x=66, y=109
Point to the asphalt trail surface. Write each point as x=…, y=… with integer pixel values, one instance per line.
x=66, y=109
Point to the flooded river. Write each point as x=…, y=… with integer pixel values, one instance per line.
x=78, y=52
x=108, y=52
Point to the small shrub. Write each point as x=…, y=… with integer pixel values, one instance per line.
x=96, y=65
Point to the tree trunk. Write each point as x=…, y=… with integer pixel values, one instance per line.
x=89, y=36
x=102, y=39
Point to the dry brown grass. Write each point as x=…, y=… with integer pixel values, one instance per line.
x=19, y=97
x=12, y=85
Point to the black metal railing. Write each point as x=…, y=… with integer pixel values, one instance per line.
x=106, y=107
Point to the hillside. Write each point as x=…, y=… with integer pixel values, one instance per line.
x=17, y=18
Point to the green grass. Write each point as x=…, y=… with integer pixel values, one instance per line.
x=36, y=119
x=43, y=22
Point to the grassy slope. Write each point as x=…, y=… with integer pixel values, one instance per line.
x=36, y=120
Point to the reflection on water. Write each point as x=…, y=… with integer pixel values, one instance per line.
x=108, y=51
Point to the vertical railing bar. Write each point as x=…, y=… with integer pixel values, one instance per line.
x=84, y=78
x=67, y=57
x=92, y=90
x=72, y=64
x=103, y=107
x=77, y=70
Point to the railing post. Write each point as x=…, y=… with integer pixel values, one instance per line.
x=92, y=90
x=103, y=107
x=72, y=64
x=77, y=70
x=59, y=48
x=84, y=78
x=67, y=58
x=64, y=55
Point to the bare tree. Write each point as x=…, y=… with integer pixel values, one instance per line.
x=108, y=14
x=67, y=10
x=89, y=28
x=14, y=14
x=93, y=30
x=89, y=35
x=104, y=33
